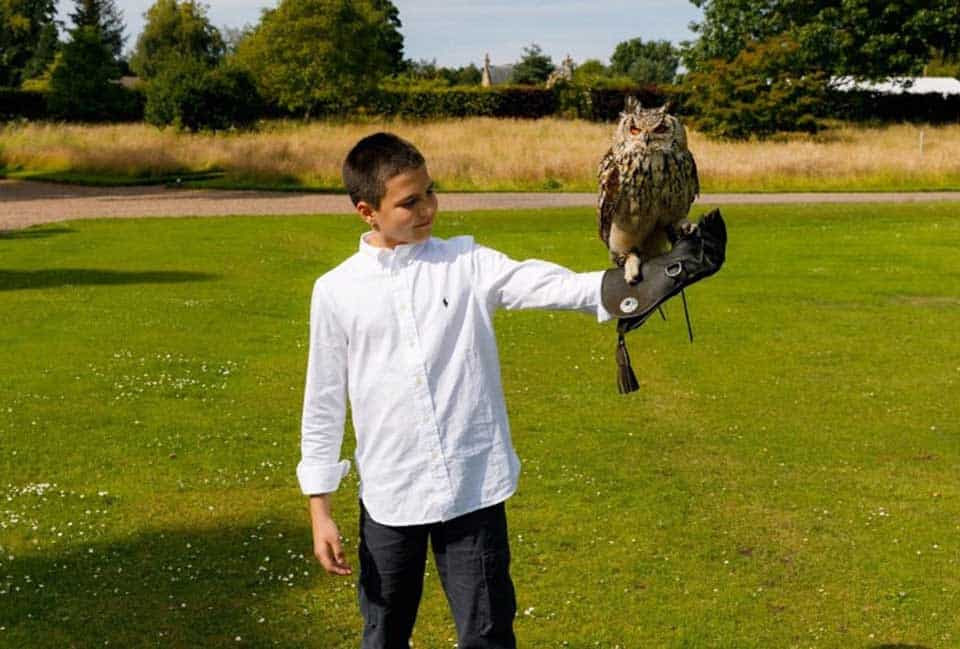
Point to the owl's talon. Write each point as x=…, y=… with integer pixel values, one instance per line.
x=631, y=269
x=687, y=228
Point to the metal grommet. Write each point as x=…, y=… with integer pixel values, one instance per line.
x=670, y=272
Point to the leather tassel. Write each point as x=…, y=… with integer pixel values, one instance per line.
x=626, y=379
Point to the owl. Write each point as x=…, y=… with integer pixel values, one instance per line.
x=648, y=180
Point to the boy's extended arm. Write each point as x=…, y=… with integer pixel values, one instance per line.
x=536, y=284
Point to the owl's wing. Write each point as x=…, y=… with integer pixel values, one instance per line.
x=609, y=177
x=694, y=178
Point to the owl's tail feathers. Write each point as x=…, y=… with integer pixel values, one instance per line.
x=626, y=379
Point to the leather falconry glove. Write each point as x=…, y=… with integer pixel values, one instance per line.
x=693, y=257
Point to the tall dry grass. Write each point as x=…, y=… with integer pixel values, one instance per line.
x=488, y=154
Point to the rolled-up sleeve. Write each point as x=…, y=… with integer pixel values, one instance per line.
x=535, y=284
x=325, y=400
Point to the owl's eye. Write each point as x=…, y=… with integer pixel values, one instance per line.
x=661, y=128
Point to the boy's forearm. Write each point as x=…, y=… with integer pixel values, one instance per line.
x=320, y=507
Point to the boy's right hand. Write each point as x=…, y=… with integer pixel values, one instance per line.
x=326, y=538
x=327, y=548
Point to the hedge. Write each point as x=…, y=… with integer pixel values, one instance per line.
x=865, y=105
x=21, y=103
x=598, y=104
x=595, y=104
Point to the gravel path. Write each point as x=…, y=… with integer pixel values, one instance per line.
x=25, y=203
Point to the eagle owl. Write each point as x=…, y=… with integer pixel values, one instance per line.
x=648, y=180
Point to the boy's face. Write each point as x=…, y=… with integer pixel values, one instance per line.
x=406, y=211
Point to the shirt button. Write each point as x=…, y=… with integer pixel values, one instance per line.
x=419, y=380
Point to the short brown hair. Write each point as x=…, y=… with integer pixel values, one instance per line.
x=373, y=161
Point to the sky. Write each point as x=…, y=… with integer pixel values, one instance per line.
x=458, y=32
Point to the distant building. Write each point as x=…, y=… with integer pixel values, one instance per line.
x=945, y=86
x=493, y=75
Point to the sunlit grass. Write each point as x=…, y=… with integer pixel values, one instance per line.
x=478, y=154
x=789, y=480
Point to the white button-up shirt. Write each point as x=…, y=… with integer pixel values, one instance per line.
x=406, y=334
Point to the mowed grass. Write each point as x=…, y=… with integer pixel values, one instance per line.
x=789, y=480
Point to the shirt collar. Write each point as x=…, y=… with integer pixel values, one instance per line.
x=386, y=256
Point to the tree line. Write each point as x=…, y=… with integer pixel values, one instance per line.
x=754, y=68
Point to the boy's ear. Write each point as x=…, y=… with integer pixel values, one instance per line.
x=366, y=213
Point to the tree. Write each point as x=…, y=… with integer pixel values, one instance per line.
x=309, y=51
x=179, y=30
x=467, y=75
x=28, y=39
x=865, y=39
x=534, y=67
x=83, y=85
x=590, y=72
x=756, y=94
x=104, y=17
x=654, y=62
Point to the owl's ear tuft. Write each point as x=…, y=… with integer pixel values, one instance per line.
x=631, y=104
x=667, y=106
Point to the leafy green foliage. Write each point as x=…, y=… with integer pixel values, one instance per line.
x=533, y=67
x=84, y=85
x=739, y=94
x=424, y=73
x=187, y=94
x=757, y=94
x=105, y=18
x=589, y=72
x=176, y=29
x=331, y=52
x=28, y=39
x=862, y=38
x=651, y=62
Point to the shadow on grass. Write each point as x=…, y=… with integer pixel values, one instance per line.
x=79, y=178
x=33, y=233
x=177, y=588
x=13, y=280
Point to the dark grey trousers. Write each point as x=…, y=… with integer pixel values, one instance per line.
x=472, y=554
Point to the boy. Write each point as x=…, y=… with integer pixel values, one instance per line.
x=404, y=329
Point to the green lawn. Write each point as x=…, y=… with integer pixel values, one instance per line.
x=789, y=480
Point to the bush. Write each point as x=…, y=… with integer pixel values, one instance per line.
x=189, y=95
x=760, y=92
